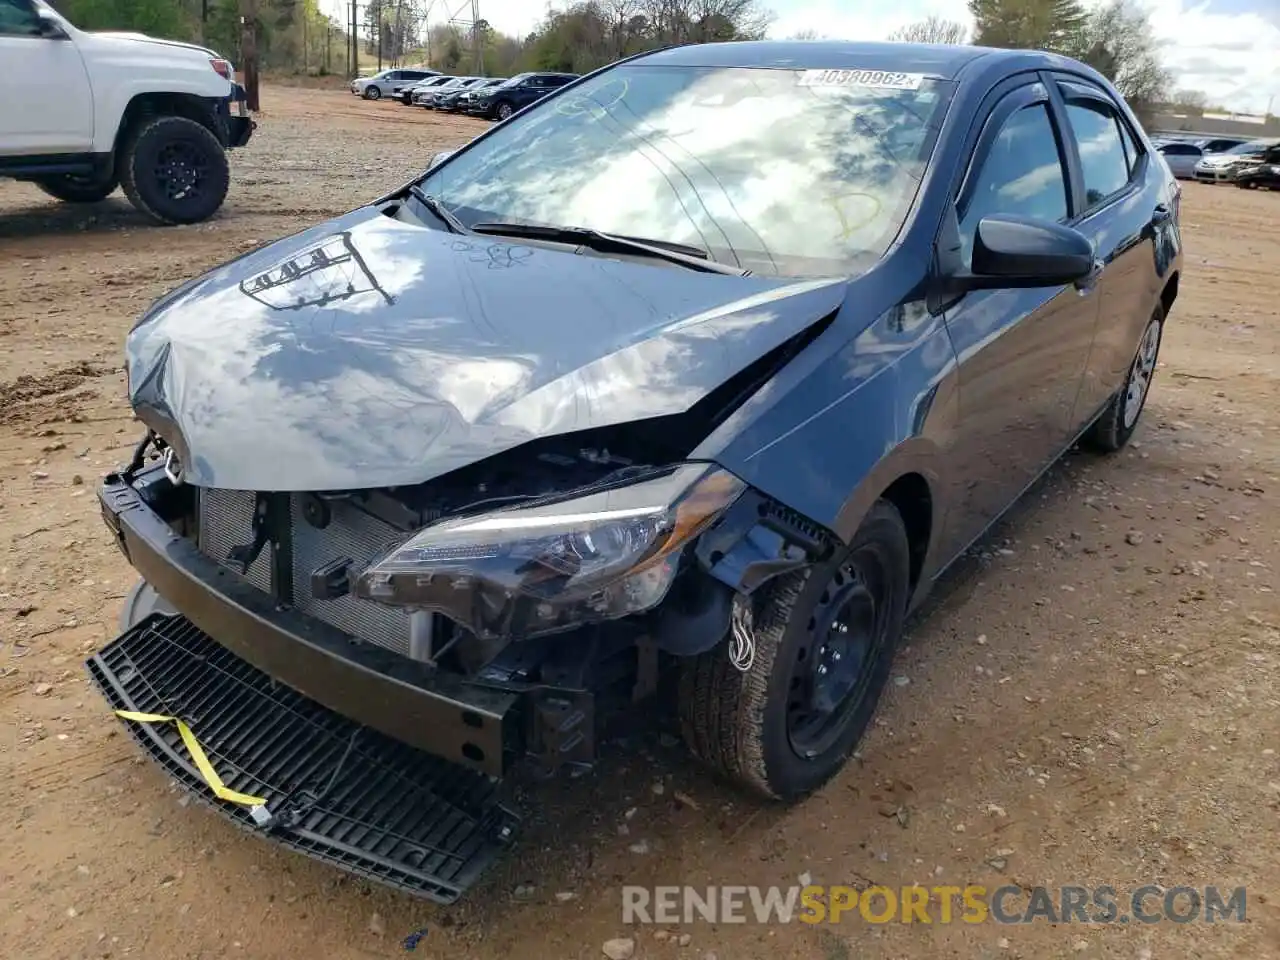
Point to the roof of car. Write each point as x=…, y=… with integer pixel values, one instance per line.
x=934, y=60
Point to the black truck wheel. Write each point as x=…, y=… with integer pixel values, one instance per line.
x=174, y=170
x=74, y=188
x=824, y=644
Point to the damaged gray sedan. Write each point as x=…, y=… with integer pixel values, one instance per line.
x=707, y=365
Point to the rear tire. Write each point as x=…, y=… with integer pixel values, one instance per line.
x=825, y=639
x=174, y=170
x=1111, y=431
x=72, y=188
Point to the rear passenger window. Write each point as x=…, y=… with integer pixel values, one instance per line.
x=1102, y=150
x=1022, y=174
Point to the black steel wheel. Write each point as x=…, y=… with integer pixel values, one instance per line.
x=175, y=170
x=825, y=640
x=75, y=188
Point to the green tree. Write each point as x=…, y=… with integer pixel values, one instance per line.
x=1057, y=25
x=159, y=18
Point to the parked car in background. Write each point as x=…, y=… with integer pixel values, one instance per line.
x=677, y=374
x=405, y=95
x=85, y=112
x=1223, y=167
x=500, y=102
x=1265, y=174
x=427, y=98
x=456, y=101
x=388, y=83
x=1181, y=157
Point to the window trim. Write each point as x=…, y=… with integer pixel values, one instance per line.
x=1069, y=88
x=1009, y=104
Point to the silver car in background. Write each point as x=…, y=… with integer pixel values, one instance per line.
x=426, y=96
x=1222, y=167
x=1181, y=157
x=405, y=96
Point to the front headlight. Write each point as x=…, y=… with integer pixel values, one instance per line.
x=532, y=570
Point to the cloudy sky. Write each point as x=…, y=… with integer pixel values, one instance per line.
x=1228, y=48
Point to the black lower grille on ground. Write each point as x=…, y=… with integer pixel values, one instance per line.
x=338, y=791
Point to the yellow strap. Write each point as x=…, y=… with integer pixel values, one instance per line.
x=220, y=789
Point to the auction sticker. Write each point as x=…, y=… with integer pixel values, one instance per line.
x=883, y=79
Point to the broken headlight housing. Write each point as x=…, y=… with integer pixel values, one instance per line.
x=523, y=571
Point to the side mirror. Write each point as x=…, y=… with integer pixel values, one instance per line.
x=51, y=28
x=439, y=158
x=1020, y=252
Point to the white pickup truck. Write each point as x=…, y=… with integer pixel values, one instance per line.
x=82, y=113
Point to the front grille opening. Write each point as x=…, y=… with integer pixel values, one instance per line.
x=225, y=521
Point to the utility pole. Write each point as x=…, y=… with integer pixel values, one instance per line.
x=355, y=42
x=249, y=51
x=476, y=40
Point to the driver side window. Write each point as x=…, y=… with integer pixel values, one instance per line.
x=1022, y=174
x=18, y=19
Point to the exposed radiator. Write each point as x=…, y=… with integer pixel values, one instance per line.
x=226, y=520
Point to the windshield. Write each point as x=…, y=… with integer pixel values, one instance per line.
x=783, y=172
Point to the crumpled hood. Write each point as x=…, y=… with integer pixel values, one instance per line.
x=371, y=353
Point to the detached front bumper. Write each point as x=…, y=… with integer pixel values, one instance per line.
x=470, y=724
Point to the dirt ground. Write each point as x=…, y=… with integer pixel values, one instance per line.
x=1092, y=698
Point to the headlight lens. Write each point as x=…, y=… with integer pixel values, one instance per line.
x=533, y=570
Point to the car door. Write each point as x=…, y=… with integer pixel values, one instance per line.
x=1123, y=206
x=47, y=106
x=1021, y=352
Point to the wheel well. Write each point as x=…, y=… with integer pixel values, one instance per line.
x=148, y=105
x=910, y=495
x=1169, y=294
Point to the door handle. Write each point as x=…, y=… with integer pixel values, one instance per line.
x=1163, y=213
x=1090, y=280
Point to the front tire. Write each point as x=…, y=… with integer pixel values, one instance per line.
x=174, y=170
x=373, y=92
x=71, y=188
x=503, y=110
x=1111, y=431
x=825, y=639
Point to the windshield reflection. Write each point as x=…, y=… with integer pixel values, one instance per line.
x=751, y=165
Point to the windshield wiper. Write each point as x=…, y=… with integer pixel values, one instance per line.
x=691, y=257
x=438, y=209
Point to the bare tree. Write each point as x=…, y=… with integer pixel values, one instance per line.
x=932, y=29
x=1192, y=101
x=808, y=33
x=1120, y=45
